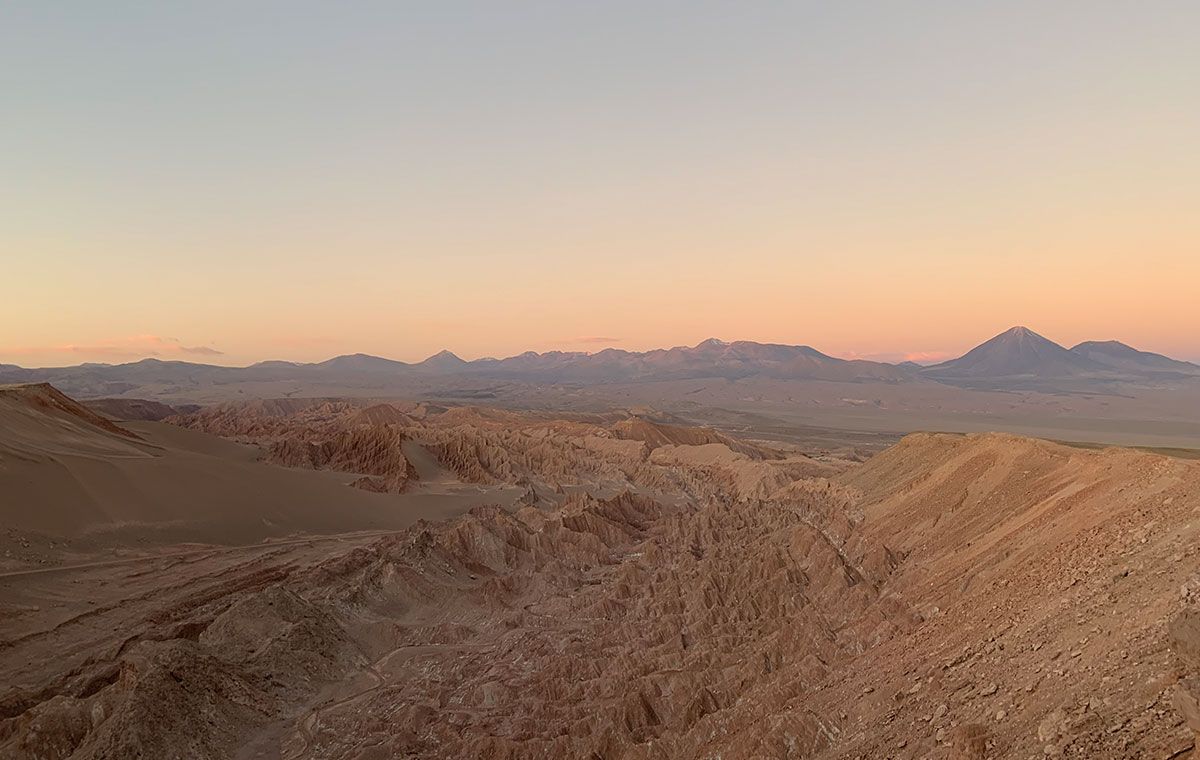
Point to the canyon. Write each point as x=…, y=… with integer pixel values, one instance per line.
x=479, y=582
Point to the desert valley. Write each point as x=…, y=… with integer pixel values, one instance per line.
x=476, y=380
x=600, y=575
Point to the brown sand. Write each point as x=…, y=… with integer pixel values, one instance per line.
x=73, y=479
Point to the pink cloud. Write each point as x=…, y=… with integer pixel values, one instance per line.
x=596, y=339
x=920, y=357
x=201, y=350
x=928, y=357
x=132, y=347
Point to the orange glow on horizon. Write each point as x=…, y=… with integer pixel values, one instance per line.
x=906, y=185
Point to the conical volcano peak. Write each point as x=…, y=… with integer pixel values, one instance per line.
x=1017, y=351
x=1021, y=332
x=443, y=360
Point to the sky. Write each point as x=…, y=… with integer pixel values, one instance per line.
x=228, y=182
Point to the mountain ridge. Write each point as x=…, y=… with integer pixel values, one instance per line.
x=1016, y=351
x=1117, y=354
x=1017, y=357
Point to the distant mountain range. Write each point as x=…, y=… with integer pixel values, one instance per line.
x=1018, y=352
x=1113, y=353
x=1018, y=358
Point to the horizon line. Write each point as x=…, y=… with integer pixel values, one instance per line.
x=927, y=360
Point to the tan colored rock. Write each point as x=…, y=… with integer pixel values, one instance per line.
x=969, y=742
x=1183, y=634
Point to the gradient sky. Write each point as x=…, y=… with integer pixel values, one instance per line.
x=234, y=181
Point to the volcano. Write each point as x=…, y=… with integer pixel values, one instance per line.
x=1016, y=352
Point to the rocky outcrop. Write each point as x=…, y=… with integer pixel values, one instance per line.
x=655, y=434
x=968, y=597
x=195, y=695
x=1183, y=633
x=375, y=452
x=131, y=409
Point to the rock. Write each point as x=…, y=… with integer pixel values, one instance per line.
x=1183, y=635
x=969, y=742
x=1185, y=697
x=1061, y=725
x=1052, y=726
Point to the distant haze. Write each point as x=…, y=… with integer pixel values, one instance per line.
x=229, y=182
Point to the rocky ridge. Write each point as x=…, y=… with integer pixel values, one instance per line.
x=981, y=596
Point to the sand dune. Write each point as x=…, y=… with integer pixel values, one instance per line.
x=41, y=423
x=75, y=479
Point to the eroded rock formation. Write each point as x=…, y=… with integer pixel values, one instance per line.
x=977, y=596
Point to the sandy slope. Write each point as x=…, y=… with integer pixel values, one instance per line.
x=74, y=480
x=1047, y=576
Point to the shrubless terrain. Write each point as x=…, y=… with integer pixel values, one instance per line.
x=449, y=581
